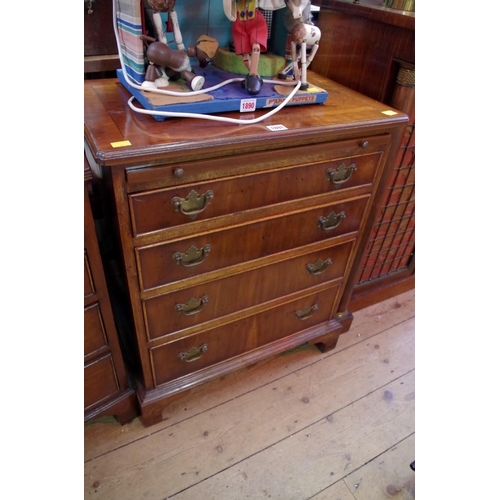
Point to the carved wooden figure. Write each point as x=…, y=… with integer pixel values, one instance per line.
x=176, y=62
x=302, y=34
x=249, y=31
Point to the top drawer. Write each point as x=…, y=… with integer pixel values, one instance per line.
x=303, y=175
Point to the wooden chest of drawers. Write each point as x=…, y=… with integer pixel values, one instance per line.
x=107, y=389
x=238, y=242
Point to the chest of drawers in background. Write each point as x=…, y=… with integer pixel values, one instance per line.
x=107, y=390
x=237, y=242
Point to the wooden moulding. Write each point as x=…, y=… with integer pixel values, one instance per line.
x=123, y=408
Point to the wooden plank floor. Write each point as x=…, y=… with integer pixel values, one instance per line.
x=303, y=425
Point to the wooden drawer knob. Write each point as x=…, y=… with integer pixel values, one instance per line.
x=363, y=144
x=179, y=173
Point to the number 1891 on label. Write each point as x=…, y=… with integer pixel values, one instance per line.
x=247, y=105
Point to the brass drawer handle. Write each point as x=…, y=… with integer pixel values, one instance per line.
x=318, y=268
x=330, y=222
x=193, y=204
x=192, y=257
x=340, y=175
x=193, y=354
x=193, y=306
x=307, y=312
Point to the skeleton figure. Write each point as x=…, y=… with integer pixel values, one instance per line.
x=249, y=30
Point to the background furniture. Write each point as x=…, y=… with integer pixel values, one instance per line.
x=236, y=242
x=371, y=49
x=106, y=386
x=99, y=43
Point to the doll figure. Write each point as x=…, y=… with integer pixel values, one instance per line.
x=175, y=63
x=302, y=33
x=249, y=30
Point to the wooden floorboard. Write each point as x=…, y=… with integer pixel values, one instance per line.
x=299, y=426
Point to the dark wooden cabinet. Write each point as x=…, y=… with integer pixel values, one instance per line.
x=371, y=49
x=106, y=386
x=237, y=242
x=99, y=42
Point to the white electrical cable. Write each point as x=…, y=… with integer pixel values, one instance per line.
x=212, y=117
x=174, y=114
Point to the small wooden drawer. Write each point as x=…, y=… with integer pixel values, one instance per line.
x=164, y=208
x=169, y=262
x=188, y=307
x=94, y=333
x=193, y=353
x=100, y=381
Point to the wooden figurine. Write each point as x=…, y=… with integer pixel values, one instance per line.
x=302, y=33
x=176, y=63
x=167, y=6
x=249, y=30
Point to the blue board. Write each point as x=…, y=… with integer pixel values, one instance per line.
x=227, y=98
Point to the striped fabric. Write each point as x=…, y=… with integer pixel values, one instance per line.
x=129, y=23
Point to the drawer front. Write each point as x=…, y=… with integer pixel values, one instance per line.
x=160, y=209
x=188, y=354
x=100, y=381
x=191, y=306
x=94, y=333
x=185, y=172
x=170, y=262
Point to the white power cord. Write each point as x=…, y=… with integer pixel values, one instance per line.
x=174, y=114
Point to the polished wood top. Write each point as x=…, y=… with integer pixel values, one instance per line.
x=109, y=120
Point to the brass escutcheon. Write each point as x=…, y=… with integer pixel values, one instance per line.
x=193, y=306
x=340, y=175
x=193, y=354
x=307, y=312
x=330, y=222
x=193, y=204
x=192, y=257
x=318, y=268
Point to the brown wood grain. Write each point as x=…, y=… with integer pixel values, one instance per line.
x=360, y=52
